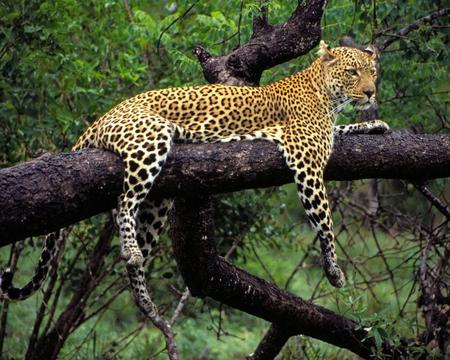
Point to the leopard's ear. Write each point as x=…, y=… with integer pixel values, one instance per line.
x=325, y=53
x=372, y=51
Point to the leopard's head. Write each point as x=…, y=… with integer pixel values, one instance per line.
x=350, y=74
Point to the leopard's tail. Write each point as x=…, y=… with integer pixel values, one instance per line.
x=53, y=246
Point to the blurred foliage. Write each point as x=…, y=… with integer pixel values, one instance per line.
x=65, y=62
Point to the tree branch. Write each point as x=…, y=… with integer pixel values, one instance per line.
x=54, y=191
x=415, y=25
x=437, y=203
x=269, y=45
x=271, y=344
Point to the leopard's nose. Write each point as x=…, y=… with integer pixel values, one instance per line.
x=369, y=93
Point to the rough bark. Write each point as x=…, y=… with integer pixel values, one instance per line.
x=272, y=343
x=54, y=191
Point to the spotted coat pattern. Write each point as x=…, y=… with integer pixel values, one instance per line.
x=297, y=113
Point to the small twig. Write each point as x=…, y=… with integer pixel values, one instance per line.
x=219, y=328
x=266, y=270
x=75, y=351
x=4, y=49
x=309, y=248
x=438, y=204
x=133, y=334
x=172, y=23
x=441, y=116
x=408, y=297
x=180, y=306
x=49, y=344
x=155, y=354
x=239, y=22
x=386, y=264
x=374, y=19
x=357, y=269
x=400, y=96
x=102, y=307
x=62, y=279
x=115, y=282
x=316, y=288
x=243, y=232
x=236, y=33
x=128, y=10
x=238, y=240
x=145, y=56
x=415, y=25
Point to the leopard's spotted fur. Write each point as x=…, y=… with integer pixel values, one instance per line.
x=297, y=113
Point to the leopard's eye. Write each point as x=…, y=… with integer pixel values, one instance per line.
x=352, y=71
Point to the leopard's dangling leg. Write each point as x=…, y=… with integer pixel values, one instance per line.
x=144, y=152
x=314, y=198
x=147, y=143
x=151, y=219
x=308, y=175
x=53, y=245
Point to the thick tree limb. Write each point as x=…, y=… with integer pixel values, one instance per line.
x=272, y=343
x=270, y=45
x=54, y=191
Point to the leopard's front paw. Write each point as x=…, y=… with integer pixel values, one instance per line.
x=378, y=127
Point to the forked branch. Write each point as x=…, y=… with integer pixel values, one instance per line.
x=413, y=26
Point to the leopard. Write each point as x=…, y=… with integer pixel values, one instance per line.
x=297, y=113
